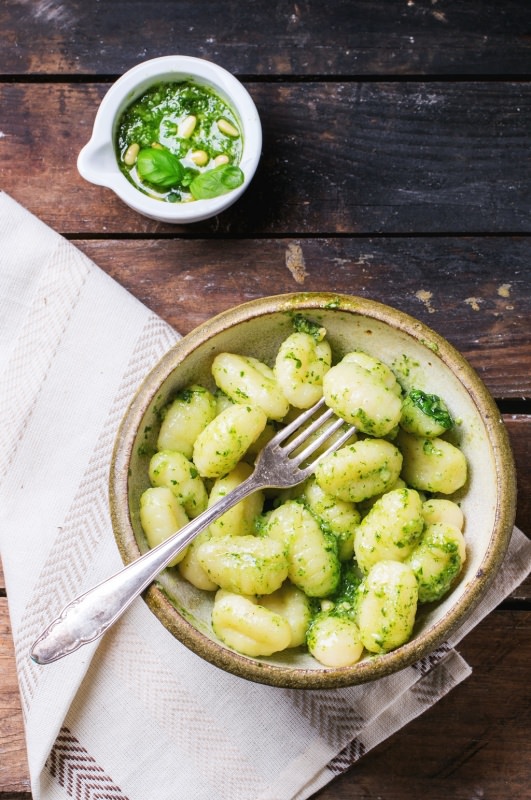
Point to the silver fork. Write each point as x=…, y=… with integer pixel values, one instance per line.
x=279, y=465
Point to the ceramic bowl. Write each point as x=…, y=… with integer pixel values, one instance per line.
x=423, y=359
x=97, y=161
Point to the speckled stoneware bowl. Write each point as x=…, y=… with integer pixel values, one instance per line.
x=257, y=328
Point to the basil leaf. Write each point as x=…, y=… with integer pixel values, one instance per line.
x=188, y=176
x=214, y=182
x=159, y=167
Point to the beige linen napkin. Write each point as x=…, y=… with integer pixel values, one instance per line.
x=137, y=715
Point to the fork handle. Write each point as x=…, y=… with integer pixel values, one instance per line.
x=88, y=616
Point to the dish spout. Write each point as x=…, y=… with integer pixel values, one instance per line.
x=97, y=163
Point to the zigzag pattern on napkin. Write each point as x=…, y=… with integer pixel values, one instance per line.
x=36, y=346
x=78, y=772
x=426, y=664
x=69, y=561
x=430, y=688
x=347, y=757
x=325, y=710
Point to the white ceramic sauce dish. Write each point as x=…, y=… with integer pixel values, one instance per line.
x=97, y=162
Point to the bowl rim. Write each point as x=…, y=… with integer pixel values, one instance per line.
x=97, y=164
x=373, y=668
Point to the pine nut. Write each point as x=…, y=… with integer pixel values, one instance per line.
x=222, y=159
x=199, y=157
x=187, y=126
x=131, y=154
x=228, y=128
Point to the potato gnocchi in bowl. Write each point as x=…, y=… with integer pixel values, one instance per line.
x=371, y=562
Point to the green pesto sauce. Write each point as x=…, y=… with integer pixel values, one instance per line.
x=154, y=119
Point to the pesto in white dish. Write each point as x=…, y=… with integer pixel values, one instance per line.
x=179, y=142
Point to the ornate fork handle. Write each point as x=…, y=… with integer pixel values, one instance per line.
x=278, y=465
x=88, y=616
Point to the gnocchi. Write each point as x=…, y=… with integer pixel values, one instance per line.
x=439, y=509
x=161, y=516
x=360, y=396
x=337, y=565
x=300, y=366
x=238, y=520
x=425, y=414
x=390, y=530
x=432, y=465
x=437, y=560
x=244, y=564
x=387, y=606
x=292, y=604
x=335, y=641
x=248, y=627
x=339, y=517
x=360, y=470
x=376, y=367
x=223, y=443
x=172, y=469
x=190, y=568
x=313, y=564
x=247, y=380
x=185, y=418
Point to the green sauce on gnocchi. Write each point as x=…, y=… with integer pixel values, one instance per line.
x=341, y=563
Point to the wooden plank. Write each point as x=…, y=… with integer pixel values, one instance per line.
x=335, y=38
x=13, y=761
x=476, y=292
x=519, y=428
x=477, y=736
x=383, y=158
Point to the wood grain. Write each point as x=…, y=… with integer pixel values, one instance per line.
x=13, y=762
x=519, y=428
x=475, y=292
x=304, y=38
x=382, y=157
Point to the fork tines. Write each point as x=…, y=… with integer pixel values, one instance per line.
x=304, y=436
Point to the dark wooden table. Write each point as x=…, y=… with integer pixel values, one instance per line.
x=396, y=165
